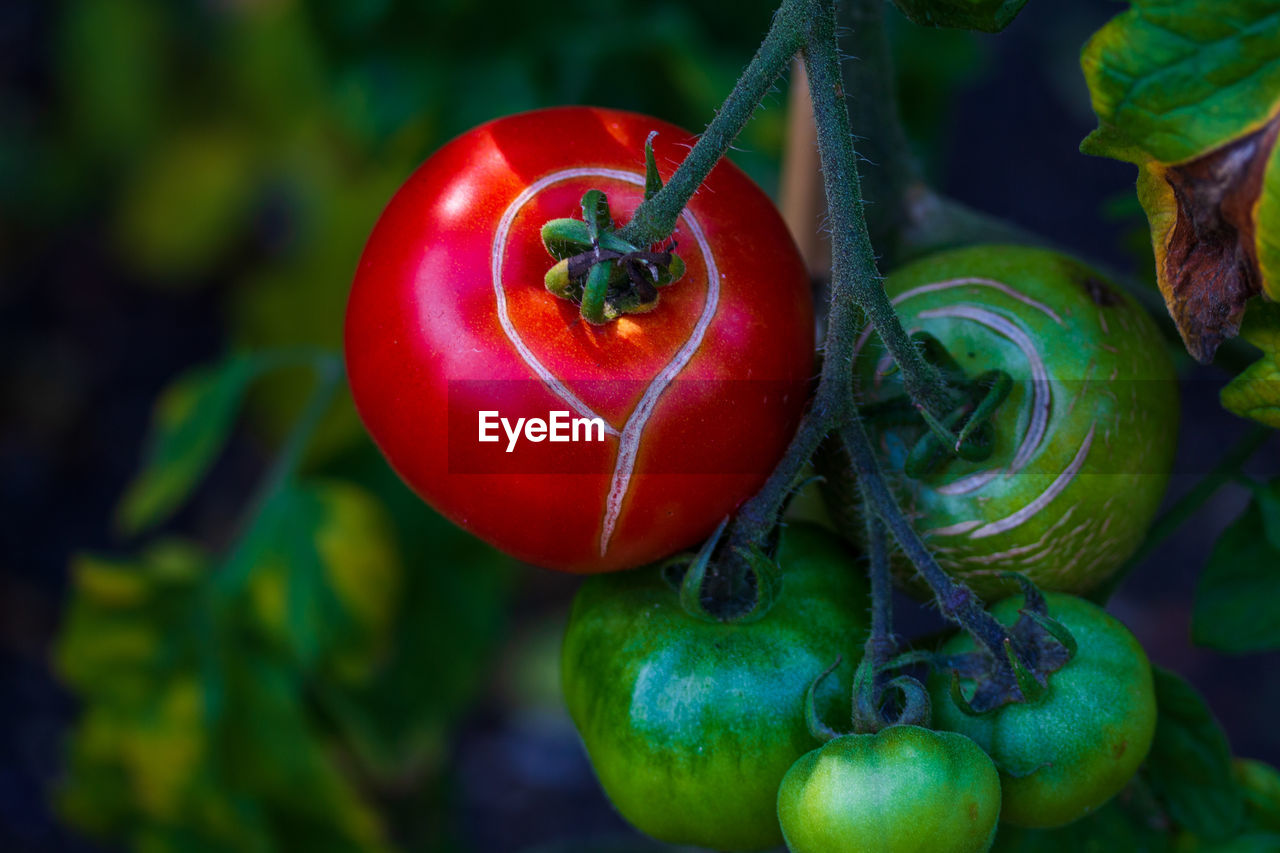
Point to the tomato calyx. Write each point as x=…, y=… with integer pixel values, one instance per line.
x=597, y=269
x=964, y=431
x=688, y=574
x=1035, y=647
x=878, y=702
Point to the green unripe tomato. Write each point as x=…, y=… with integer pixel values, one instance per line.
x=905, y=789
x=1083, y=445
x=691, y=724
x=1066, y=754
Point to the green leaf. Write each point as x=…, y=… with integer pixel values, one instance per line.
x=988, y=16
x=1234, y=604
x=456, y=596
x=1255, y=393
x=190, y=425
x=1189, y=766
x=269, y=748
x=1173, y=79
x=322, y=574
x=1189, y=90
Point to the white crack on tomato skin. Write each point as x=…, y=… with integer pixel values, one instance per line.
x=1080, y=460
x=632, y=430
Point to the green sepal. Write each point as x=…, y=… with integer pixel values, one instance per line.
x=958, y=697
x=564, y=238
x=673, y=273
x=1055, y=629
x=619, y=301
x=926, y=455
x=911, y=658
x=1029, y=686
x=766, y=573
x=866, y=711
x=696, y=574
x=652, y=180
x=934, y=448
x=596, y=215
x=935, y=353
x=588, y=270
x=559, y=284
x=594, y=290
x=978, y=444
x=917, y=708
x=821, y=731
x=1036, y=609
x=999, y=383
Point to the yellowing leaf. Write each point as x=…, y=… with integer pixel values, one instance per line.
x=357, y=545
x=326, y=580
x=164, y=753
x=109, y=584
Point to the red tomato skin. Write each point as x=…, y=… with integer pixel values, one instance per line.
x=426, y=349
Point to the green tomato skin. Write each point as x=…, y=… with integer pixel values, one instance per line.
x=905, y=789
x=1067, y=754
x=689, y=724
x=1083, y=445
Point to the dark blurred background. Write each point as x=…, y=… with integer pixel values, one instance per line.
x=181, y=177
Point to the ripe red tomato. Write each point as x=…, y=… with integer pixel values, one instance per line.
x=449, y=318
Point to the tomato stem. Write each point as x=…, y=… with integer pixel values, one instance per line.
x=956, y=600
x=871, y=99
x=854, y=277
x=905, y=216
x=880, y=646
x=655, y=219
x=857, y=294
x=855, y=284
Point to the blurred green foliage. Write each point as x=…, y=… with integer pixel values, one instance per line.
x=285, y=692
x=262, y=700
x=278, y=695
